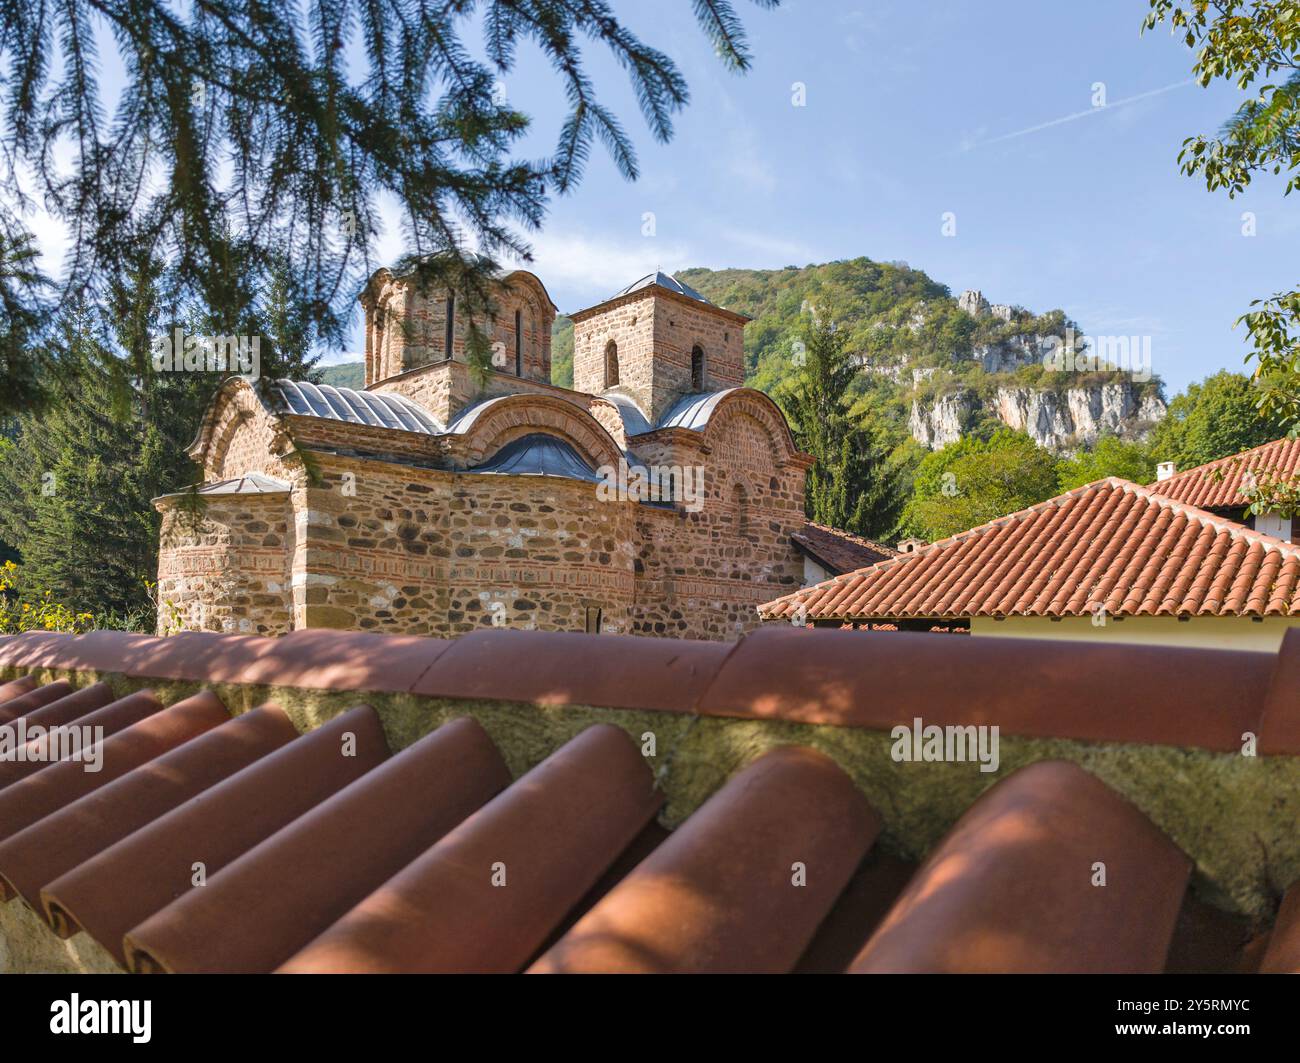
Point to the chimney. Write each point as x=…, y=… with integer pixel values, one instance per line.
x=910, y=546
x=1165, y=470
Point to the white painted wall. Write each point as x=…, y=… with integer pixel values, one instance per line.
x=1275, y=525
x=1205, y=632
x=813, y=572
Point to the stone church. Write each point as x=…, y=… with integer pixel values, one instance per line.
x=659, y=496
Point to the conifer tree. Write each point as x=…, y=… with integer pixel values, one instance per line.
x=853, y=485
x=252, y=136
x=78, y=478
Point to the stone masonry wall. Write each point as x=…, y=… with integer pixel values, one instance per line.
x=629, y=323
x=679, y=326
x=423, y=551
x=655, y=334
x=407, y=329
x=226, y=568
x=244, y=438
x=703, y=574
x=444, y=389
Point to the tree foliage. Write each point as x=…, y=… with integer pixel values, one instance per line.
x=76, y=482
x=1213, y=419
x=253, y=139
x=854, y=484
x=974, y=481
x=1252, y=44
x=1130, y=460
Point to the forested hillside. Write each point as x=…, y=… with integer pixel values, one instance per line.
x=933, y=366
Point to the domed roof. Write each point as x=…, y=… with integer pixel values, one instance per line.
x=374, y=408
x=694, y=411
x=538, y=454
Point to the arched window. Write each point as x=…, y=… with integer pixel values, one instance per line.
x=739, y=514
x=697, y=368
x=611, y=364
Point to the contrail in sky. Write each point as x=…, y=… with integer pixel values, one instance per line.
x=1082, y=114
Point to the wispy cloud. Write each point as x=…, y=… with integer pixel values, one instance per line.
x=971, y=144
x=594, y=267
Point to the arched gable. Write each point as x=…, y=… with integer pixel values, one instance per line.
x=240, y=433
x=530, y=281
x=488, y=427
x=753, y=404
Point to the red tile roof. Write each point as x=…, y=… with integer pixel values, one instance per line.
x=564, y=868
x=1109, y=544
x=839, y=551
x=1219, y=483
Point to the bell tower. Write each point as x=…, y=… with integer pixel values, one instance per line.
x=655, y=341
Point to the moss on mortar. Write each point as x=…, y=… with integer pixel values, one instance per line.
x=27, y=945
x=1237, y=817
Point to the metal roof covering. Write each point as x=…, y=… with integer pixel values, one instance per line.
x=377, y=409
x=538, y=454
x=253, y=483
x=693, y=411
x=635, y=422
x=465, y=418
x=659, y=279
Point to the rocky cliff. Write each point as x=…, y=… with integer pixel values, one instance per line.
x=933, y=365
x=1038, y=382
x=1061, y=420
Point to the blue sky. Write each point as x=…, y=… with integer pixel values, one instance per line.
x=911, y=110
x=915, y=108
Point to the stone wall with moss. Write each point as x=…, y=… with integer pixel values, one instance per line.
x=1234, y=816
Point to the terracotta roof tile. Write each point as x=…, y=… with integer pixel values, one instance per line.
x=1014, y=886
x=74, y=709
x=321, y=659
x=315, y=859
x=839, y=551
x=1106, y=692
x=15, y=687
x=118, y=888
x=486, y=896
x=559, y=668
x=1218, y=484
x=1279, y=726
x=25, y=802
x=33, y=699
x=1283, y=953
x=66, y=707
x=263, y=907
x=1110, y=544
x=742, y=886
x=77, y=831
